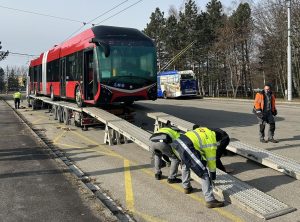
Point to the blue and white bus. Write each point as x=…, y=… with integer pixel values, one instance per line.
x=172, y=84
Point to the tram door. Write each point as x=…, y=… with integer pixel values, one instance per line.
x=62, y=77
x=88, y=81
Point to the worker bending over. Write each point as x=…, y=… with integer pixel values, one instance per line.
x=160, y=147
x=197, y=149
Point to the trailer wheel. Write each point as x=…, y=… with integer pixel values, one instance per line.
x=55, y=111
x=60, y=114
x=66, y=116
x=165, y=95
x=78, y=97
x=51, y=94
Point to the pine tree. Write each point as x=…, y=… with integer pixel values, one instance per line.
x=2, y=82
x=156, y=30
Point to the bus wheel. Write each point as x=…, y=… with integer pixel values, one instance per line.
x=51, y=94
x=78, y=97
x=165, y=95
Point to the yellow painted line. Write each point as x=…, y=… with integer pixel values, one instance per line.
x=86, y=148
x=98, y=145
x=128, y=186
x=221, y=211
x=148, y=217
x=58, y=137
x=36, y=121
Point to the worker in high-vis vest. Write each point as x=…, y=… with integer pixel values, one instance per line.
x=197, y=150
x=17, y=98
x=160, y=147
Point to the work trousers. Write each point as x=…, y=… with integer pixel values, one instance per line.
x=207, y=188
x=191, y=158
x=173, y=167
x=266, y=119
x=17, y=103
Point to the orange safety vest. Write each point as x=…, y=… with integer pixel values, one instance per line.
x=259, y=101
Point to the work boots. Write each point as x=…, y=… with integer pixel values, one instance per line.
x=188, y=190
x=272, y=140
x=158, y=176
x=262, y=140
x=214, y=204
x=174, y=180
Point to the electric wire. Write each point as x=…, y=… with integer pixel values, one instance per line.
x=42, y=14
x=89, y=22
x=119, y=12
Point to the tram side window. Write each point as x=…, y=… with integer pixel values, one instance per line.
x=52, y=71
x=35, y=73
x=49, y=72
x=71, y=67
x=30, y=73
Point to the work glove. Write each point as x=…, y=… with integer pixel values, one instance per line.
x=275, y=112
x=259, y=114
x=213, y=175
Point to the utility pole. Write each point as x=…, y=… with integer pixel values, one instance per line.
x=289, y=53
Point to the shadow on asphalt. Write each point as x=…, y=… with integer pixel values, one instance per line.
x=205, y=117
x=119, y=170
x=33, y=173
x=268, y=183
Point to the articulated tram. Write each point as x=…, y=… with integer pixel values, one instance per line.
x=101, y=65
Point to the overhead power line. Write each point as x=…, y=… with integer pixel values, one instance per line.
x=119, y=12
x=22, y=54
x=42, y=14
x=89, y=22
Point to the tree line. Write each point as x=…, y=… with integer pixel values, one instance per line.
x=233, y=54
x=13, y=78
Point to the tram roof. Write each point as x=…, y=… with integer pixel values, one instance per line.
x=81, y=41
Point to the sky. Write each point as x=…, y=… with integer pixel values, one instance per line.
x=32, y=34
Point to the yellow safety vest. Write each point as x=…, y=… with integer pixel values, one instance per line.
x=172, y=133
x=17, y=95
x=204, y=140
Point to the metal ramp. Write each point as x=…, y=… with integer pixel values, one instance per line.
x=264, y=157
x=117, y=127
x=249, y=198
x=232, y=189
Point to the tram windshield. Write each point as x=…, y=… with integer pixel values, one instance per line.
x=135, y=64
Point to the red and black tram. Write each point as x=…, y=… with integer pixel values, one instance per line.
x=101, y=65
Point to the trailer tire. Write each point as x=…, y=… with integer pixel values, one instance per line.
x=165, y=95
x=52, y=94
x=66, y=116
x=55, y=111
x=60, y=114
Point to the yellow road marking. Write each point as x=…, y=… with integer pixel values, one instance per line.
x=36, y=121
x=128, y=186
x=148, y=217
x=221, y=211
x=59, y=136
x=86, y=148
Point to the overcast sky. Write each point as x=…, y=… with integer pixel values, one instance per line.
x=32, y=34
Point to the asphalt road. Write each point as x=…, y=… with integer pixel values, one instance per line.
x=35, y=187
x=125, y=172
